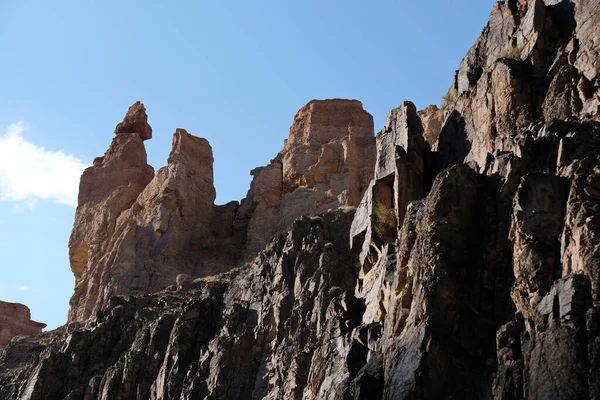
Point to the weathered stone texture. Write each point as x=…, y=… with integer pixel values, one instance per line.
x=15, y=320
x=146, y=230
x=469, y=270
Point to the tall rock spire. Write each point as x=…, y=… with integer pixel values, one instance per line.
x=109, y=187
x=135, y=234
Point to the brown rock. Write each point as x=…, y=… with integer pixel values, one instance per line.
x=327, y=162
x=408, y=157
x=531, y=37
x=537, y=223
x=255, y=217
x=486, y=49
x=317, y=137
x=172, y=226
x=159, y=236
x=580, y=248
x=512, y=98
x=107, y=188
x=15, y=320
x=135, y=121
x=399, y=180
x=424, y=299
x=432, y=119
x=182, y=279
x=553, y=346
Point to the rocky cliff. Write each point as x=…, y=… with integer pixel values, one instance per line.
x=15, y=321
x=469, y=269
x=135, y=232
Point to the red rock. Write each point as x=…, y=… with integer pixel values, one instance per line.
x=158, y=236
x=326, y=162
x=146, y=233
x=15, y=320
x=135, y=121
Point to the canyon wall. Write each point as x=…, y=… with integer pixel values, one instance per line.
x=469, y=269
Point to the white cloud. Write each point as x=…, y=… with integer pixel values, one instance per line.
x=23, y=288
x=29, y=173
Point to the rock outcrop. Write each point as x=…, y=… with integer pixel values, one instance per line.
x=469, y=270
x=136, y=232
x=533, y=61
x=432, y=119
x=158, y=236
x=136, y=120
x=249, y=333
x=327, y=162
x=107, y=188
x=15, y=320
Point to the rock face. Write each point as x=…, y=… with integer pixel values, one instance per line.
x=107, y=188
x=469, y=270
x=532, y=61
x=327, y=162
x=432, y=119
x=215, y=338
x=15, y=320
x=159, y=236
x=135, y=121
x=135, y=233
x=399, y=179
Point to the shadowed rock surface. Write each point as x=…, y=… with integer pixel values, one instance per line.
x=470, y=268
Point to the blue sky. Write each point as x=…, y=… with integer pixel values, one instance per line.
x=234, y=72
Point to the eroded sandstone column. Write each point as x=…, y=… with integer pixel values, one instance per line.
x=134, y=235
x=109, y=187
x=160, y=234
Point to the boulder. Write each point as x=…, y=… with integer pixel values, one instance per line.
x=135, y=121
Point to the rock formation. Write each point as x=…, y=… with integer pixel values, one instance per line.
x=432, y=119
x=469, y=270
x=327, y=162
x=107, y=188
x=136, y=120
x=15, y=320
x=134, y=233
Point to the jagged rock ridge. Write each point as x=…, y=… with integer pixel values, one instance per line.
x=135, y=232
x=469, y=270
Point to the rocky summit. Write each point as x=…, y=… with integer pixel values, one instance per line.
x=135, y=231
x=455, y=254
